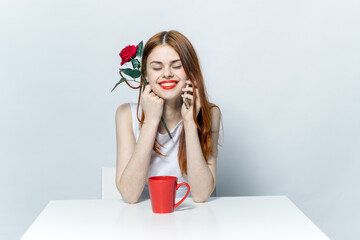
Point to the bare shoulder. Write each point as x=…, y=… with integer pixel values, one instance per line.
x=215, y=110
x=215, y=117
x=123, y=113
x=125, y=107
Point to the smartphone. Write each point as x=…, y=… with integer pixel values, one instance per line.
x=185, y=100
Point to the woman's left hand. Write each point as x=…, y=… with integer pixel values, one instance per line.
x=187, y=114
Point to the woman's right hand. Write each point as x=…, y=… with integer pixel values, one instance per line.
x=152, y=105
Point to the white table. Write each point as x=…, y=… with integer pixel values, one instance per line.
x=268, y=217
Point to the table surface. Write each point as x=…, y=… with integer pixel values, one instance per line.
x=265, y=217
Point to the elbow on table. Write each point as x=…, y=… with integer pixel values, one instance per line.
x=200, y=199
x=126, y=196
x=129, y=199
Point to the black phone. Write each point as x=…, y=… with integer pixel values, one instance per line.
x=185, y=100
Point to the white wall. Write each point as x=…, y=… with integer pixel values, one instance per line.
x=285, y=74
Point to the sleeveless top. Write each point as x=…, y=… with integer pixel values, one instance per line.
x=159, y=165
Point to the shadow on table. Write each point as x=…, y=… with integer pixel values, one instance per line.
x=188, y=206
x=183, y=207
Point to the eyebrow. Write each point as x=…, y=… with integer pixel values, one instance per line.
x=161, y=62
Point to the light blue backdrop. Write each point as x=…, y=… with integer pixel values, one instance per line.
x=284, y=73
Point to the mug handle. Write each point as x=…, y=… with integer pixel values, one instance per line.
x=188, y=190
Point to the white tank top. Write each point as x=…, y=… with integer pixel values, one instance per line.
x=159, y=165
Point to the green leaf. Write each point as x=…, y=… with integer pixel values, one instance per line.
x=121, y=80
x=145, y=82
x=139, y=50
x=131, y=72
x=135, y=63
x=167, y=130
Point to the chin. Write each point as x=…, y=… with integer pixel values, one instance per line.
x=170, y=96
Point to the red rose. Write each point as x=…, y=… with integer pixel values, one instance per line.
x=127, y=53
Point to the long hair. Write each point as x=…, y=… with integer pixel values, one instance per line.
x=191, y=65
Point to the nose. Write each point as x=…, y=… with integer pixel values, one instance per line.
x=167, y=72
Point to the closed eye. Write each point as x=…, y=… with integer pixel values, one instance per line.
x=159, y=68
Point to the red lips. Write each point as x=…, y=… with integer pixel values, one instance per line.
x=168, y=81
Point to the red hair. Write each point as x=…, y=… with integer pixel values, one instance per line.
x=192, y=69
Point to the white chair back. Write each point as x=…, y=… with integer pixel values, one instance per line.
x=109, y=189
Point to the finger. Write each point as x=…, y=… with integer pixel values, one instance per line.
x=190, y=83
x=154, y=94
x=188, y=89
x=188, y=96
x=147, y=89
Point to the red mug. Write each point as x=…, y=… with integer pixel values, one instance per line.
x=162, y=190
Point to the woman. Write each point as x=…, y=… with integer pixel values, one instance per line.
x=144, y=148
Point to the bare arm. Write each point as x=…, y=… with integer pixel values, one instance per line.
x=133, y=158
x=202, y=177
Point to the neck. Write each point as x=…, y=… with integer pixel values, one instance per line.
x=172, y=111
